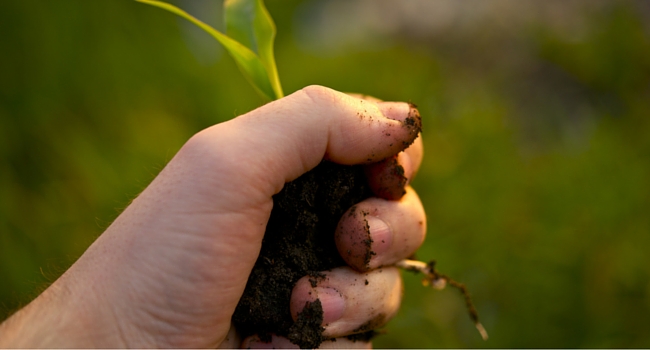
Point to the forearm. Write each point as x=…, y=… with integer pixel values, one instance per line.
x=63, y=316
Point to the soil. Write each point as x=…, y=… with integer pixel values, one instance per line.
x=299, y=241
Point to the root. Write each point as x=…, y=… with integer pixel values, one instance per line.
x=439, y=281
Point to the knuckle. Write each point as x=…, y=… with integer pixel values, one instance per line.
x=200, y=144
x=320, y=94
x=204, y=151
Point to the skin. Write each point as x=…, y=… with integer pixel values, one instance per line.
x=171, y=268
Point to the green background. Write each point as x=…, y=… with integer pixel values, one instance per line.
x=536, y=176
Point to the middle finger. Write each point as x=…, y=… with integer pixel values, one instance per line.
x=378, y=232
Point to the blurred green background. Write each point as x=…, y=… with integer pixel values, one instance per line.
x=536, y=177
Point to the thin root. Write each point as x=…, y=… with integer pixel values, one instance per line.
x=438, y=281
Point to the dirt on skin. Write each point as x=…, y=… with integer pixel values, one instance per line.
x=299, y=241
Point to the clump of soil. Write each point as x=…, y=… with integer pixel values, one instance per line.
x=298, y=242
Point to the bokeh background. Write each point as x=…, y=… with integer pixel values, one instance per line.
x=536, y=178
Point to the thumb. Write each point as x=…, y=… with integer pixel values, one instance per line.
x=286, y=138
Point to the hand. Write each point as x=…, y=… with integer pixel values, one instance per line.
x=171, y=268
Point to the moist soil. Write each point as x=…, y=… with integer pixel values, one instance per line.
x=299, y=241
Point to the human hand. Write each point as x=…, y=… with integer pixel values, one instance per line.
x=171, y=268
x=365, y=295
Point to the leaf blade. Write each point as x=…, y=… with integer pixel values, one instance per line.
x=238, y=17
x=250, y=23
x=264, y=25
x=250, y=64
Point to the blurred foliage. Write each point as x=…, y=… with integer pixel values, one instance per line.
x=536, y=178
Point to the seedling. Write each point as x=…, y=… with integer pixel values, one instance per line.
x=249, y=37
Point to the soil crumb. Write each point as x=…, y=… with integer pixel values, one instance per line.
x=307, y=332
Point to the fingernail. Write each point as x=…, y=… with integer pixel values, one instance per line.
x=395, y=110
x=414, y=118
x=407, y=113
x=381, y=236
x=332, y=303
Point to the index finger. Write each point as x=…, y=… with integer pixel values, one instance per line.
x=414, y=152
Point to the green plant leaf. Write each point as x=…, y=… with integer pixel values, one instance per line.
x=249, y=22
x=239, y=16
x=249, y=63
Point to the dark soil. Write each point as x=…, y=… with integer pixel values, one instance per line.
x=299, y=241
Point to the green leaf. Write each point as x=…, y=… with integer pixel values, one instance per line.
x=239, y=16
x=250, y=23
x=250, y=64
